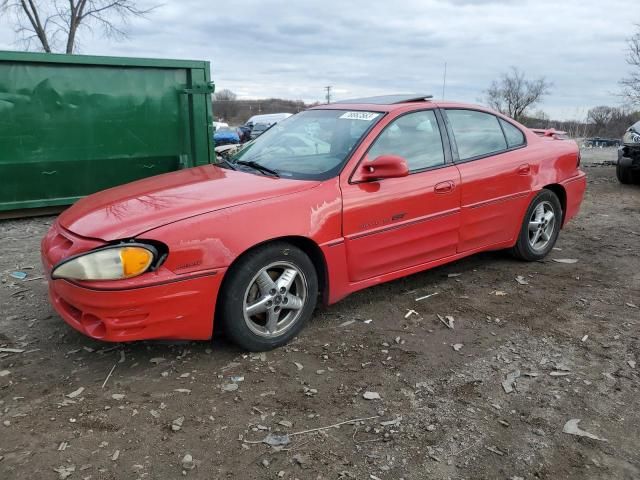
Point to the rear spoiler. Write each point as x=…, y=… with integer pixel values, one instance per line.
x=549, y=132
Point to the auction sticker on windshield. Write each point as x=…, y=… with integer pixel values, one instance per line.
x=366, y=116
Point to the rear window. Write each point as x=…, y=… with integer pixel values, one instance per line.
x=476, y=133
x=515, y=138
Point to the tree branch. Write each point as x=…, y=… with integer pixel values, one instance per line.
x=631, y=84
x=70, y=16
x=31, y=12
x=512, y=95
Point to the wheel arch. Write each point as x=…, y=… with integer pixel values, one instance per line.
x=308, y=246
x=561, y=193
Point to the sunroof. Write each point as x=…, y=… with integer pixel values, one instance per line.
x=389, y=99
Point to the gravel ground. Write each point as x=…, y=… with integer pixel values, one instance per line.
x=599, y=156
x=533, y=346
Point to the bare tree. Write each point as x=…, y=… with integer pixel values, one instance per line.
x=631, y=84
x=54, y=24
x=610, y=122
x=512, y=94
x=224, y=95
x=600, y=118
x=225, y=105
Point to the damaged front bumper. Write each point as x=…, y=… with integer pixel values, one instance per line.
x=629, y=157
x=629, y=152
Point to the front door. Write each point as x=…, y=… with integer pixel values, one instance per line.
x=397, y=223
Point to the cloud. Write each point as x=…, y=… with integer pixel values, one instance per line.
x=280, y=48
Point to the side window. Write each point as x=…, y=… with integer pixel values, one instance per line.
x=415, y=137
x=515, y=138
x=476, y=133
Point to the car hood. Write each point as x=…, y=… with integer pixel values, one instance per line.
x=131, y=209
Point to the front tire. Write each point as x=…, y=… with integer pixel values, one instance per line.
x=624, y=174
x=268, y=296
x=540, y=227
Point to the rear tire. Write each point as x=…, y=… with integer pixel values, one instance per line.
x=624, y=174
x=268, y=296
x=540, y=227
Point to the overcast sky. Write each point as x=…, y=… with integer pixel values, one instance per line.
x=292, y=49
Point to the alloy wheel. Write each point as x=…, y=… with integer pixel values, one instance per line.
x=274, y=299
x=541, y=226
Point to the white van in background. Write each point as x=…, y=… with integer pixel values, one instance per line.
x=269, y=119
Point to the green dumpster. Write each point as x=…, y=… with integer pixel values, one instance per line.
x=71, y=125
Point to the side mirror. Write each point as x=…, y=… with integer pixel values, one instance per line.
x=384, y=166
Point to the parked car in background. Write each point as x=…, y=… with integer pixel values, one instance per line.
x=258, y=129
x=218, y=125
x=628, y=167
x=226, y=136
x=268, y=118
x=245, y=133
x=259, y=123
x=396, y=185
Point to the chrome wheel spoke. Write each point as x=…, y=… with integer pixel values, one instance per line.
x=286, y=279
x=533, y=225
x=272, y=320
x=293, y=302
x=535, y=238
x=265, y=283
x=260, y=306
x=540, y=212
x=549, y=216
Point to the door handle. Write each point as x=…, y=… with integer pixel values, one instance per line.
x=444, y=187
x=524, y=169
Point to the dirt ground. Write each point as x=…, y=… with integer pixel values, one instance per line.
x=202, y=409
x=599, y=155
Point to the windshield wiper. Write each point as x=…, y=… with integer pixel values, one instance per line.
x=258, y=166
x=224, y=162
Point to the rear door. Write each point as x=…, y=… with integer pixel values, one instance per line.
x=397, y=223
x=496, y=177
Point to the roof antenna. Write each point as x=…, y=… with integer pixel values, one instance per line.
x=444, y=80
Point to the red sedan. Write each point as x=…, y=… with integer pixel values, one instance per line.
x=327, y=202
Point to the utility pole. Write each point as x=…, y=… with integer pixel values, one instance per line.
x=328, y=89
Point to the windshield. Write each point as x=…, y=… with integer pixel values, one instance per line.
x=312, y=145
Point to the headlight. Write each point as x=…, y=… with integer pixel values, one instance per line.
x=109, y=263
x=631, y=137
